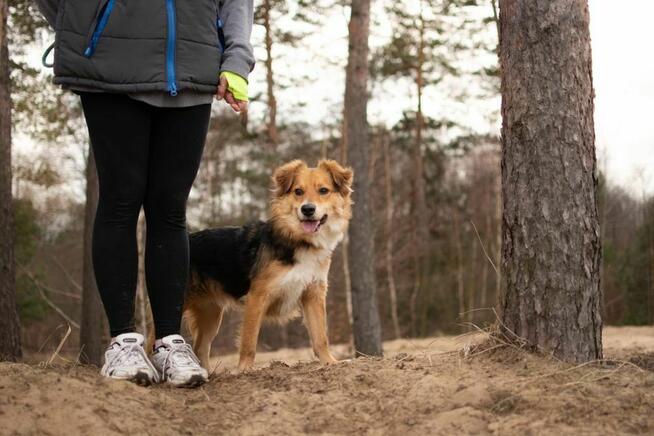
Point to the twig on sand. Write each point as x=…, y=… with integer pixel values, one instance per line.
x=484, y=248
x=59, y=347
x=215, y=368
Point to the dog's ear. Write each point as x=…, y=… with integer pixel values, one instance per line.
x=342, y=177
x=285, y=175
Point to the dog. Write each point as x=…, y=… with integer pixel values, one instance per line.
x=273, y=270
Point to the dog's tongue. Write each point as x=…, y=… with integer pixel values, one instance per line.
x=310, y=226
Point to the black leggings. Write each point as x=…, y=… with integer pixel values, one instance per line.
x=145, y=156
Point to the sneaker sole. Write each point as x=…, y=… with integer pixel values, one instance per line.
x=141, y=379
x=194, y=382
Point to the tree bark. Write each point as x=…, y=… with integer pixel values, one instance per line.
x=392, y=289
x=347, y=278
x=10, y=348
x=551, y=245
x=460, y=289
x=420, y=228
x=93, y=324
x=366, y=325
x=271, y=125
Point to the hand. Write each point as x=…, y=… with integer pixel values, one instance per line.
x=223, y=93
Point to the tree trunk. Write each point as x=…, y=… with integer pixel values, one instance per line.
x=460, y=289
x=420, y=228
x=473, y=283
x=392, y=289
x=551, y=245
x=93, y=328
x=366, y=325
x=347, y=278
x=484, y=272
x=498, y=241
x=271, y=125
x=10, y=348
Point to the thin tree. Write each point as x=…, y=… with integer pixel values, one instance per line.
x=263, y=15
x=551, y=242
x=93, y=325
x=366, y=325
x=390, y=278
x=10, y=348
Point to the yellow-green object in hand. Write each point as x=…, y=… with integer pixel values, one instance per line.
x=237, y=85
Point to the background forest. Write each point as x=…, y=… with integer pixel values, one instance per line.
x=435, y=173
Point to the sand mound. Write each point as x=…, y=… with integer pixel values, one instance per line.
x=422, y=387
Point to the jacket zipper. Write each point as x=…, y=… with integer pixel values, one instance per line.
x=99, y=28
x=221, y=34
x=170, y=50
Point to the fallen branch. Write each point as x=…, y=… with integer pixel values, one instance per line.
x=57, y=309
x=67, y=274
x=484, y=248
x=45, y=298
x=42, y=285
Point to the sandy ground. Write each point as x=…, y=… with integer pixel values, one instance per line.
x=441, y=385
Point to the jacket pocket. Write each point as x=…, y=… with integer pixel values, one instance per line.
x=98, y=26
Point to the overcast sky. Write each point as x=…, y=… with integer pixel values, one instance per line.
x=622, y=34
x=623, y=66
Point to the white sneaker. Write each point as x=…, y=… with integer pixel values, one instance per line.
x=177, y=363
x=126, y=360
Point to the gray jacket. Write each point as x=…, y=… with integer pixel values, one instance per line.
x=135, y=46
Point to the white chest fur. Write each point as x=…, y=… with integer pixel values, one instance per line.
x=309, y=267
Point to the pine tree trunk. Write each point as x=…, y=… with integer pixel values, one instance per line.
x=420, y=228
x=392, y=289
x=92, y=334
x=347, y=278
x=10, y=348
x=551, y=241
x=484, y=272
x=460, y=289
x=271, y=125
x=498, y=241
x=474, y=283
x=366, y=325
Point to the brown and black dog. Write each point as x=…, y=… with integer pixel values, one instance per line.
x=273, y=269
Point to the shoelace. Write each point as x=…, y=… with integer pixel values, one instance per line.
x=179, y=356
x=133, y=355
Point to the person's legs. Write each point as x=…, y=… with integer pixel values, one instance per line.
x=119, y=129
x=176, y=143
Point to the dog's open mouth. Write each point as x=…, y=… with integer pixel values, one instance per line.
x=312, y=226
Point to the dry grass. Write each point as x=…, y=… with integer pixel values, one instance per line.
x=477, y=383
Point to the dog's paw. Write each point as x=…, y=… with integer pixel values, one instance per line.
x=244, y=368
x=328, y=360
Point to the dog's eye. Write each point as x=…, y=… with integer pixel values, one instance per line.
x=299, y=192
x=323, y=191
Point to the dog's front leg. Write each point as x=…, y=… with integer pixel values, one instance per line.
x=254, y=310
x=315, y=318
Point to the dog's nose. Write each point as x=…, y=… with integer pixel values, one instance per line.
x=308, y=209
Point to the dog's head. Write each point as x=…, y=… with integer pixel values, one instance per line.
x=312, y=204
